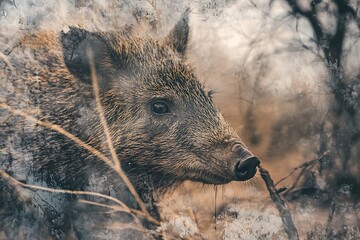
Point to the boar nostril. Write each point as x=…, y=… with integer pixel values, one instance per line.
x=246, y=169
x=236, y=147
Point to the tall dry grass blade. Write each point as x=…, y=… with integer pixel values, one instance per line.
x=100, y=110
x=114, y=208
x=60, y=130
x=8, y=63
x=132, y=211
x=8, y=178
x=15, y=186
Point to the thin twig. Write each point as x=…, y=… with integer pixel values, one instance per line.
x=304, y=165
x=285, y=214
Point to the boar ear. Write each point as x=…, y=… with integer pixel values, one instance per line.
x=179, y=35
x=76, y=44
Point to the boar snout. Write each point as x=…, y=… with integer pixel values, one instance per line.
x=245, y=164
x=246, y=169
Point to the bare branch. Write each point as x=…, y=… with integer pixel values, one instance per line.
x=310, y=15
x=353, y=14
x=305, y=165
x=285, y=214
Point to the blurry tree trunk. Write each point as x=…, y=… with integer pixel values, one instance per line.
x=340, y=131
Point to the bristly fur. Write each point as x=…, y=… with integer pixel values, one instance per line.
x=157, y=152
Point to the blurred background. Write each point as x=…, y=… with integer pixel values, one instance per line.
x=285, y=74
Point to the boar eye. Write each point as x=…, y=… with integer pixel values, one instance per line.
x=160, y=107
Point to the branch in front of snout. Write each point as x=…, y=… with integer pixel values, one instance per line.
x=284, y=212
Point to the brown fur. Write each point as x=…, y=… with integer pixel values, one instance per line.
x=192, y=142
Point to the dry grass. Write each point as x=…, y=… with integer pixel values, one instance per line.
x=268, y=111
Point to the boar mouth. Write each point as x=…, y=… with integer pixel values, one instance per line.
x=242, y=171
x=211, y=178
